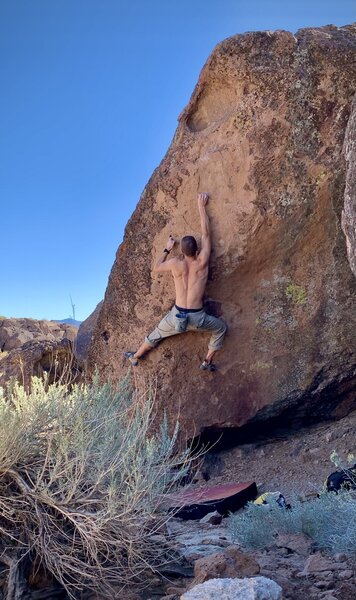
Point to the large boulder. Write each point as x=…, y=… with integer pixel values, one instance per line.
x=263, y=134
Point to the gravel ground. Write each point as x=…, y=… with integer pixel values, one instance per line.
x=295, y=462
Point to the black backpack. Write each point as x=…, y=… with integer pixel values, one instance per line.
x=342, y=479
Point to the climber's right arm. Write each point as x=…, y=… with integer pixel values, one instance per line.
x=205, y=251
x=162, y=264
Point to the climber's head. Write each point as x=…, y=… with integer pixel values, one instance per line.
x=189, y=245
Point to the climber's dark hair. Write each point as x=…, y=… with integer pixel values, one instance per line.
x=189, y=245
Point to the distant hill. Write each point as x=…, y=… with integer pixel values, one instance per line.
x=67, y=321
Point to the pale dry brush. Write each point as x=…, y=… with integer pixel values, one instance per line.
x=82, y=479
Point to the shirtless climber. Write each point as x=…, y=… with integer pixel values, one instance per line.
x=190, y=274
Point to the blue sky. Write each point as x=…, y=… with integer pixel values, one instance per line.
x=90, y=95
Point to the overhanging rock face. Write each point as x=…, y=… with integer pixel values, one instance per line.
x=263, y=134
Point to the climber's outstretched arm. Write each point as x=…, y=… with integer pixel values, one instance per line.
x=205, y=251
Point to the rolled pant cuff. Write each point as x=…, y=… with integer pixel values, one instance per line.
x=152, y=344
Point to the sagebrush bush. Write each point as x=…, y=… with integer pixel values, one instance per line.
x=81, y=478
x=330, y=521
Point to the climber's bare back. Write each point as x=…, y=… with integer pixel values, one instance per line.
x=190, y=277
x=190, y=272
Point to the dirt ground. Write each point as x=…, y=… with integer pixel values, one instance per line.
x=294, y=462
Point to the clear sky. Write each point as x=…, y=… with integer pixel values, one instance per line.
x=90, y=95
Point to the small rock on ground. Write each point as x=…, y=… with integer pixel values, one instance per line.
x=254, y=588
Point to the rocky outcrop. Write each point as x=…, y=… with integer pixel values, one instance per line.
x=85, y=334
x=291, y=560
x=37, y=358
x=263, y=134
x=16, y=332
x=349, y=212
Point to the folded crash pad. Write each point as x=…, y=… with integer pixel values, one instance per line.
x=195, y=504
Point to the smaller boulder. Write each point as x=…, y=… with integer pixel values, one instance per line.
x=295, y=542
x=213, y=518
x=54, y=359
x=232, y=562
x=346, y=574
x=254, y=588
x=317, y=563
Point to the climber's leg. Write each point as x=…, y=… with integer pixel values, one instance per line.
x=166, y=328
x=143, y=349
x=218, y=329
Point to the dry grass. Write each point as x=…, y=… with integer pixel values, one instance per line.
x=82, y=481
x=329, y=520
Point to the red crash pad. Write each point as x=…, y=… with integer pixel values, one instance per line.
x=195, y=504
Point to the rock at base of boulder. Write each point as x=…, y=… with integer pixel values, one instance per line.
x=295, y=542
x=229, y=563
x=212, y=518
x=254, y=588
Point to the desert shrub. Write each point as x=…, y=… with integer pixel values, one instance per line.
x=82, y=477
x=329, y=520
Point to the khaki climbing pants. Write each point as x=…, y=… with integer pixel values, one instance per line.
x=194, y=321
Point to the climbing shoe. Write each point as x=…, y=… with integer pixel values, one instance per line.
x=131, y=357
x=207, y=366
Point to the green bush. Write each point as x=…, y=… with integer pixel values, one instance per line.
x=81, y=480
x=330, y=521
